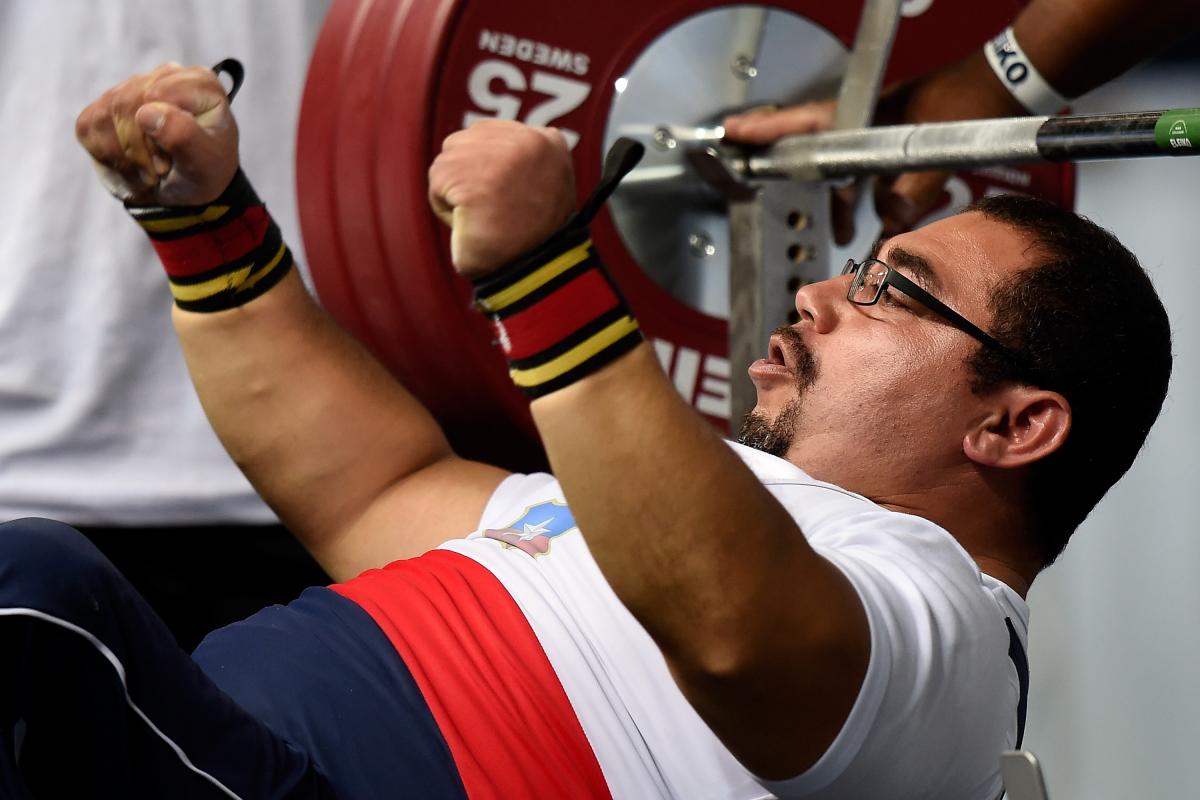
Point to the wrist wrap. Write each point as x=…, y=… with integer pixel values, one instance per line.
x=217, y=256
x=558, y=314
x=1020, y=77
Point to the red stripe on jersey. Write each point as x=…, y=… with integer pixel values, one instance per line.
x=202, y=252
x=483, y=673
x=558, y=315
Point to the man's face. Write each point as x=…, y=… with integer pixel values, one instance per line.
x=850, y=392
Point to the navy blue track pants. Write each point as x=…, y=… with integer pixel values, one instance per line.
x=307, y=700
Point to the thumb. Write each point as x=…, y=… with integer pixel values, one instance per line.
x=458, y=234
x=151, y=119
x=185, y=147
x=184, y=136
x=468, y=253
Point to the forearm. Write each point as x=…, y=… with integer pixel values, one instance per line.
x=687, y=537
x=1075, y=45
x=755, y=626
x=1078, y=46
x=314, y=421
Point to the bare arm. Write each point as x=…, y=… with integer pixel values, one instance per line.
x=766, y=639
x=352, y=463
x=1077, y=45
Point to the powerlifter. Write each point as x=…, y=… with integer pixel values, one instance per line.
x=837, y=611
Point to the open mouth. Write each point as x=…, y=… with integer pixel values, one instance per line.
x=776, y=353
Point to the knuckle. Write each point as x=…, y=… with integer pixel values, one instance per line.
x=124, y=103
x=531, y=145
x=555, y=137
x=85, y=123
x=156, y=92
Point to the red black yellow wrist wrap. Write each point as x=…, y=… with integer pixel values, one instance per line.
x=557, y=312
x=217, y=256
x=558, y=315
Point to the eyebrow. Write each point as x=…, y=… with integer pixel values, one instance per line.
x=920, y=268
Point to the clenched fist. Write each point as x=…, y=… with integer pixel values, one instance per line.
x=503, y=187
x=165, y=138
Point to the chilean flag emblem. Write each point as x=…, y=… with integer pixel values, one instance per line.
x=538, y=524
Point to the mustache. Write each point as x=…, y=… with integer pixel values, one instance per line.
x=803, y=363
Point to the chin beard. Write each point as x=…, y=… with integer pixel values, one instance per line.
x=771, y=436
x=775, y=436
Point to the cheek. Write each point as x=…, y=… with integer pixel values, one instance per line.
x=936, y=378
x=895, y=378
x=890, y=368
x=909, y=382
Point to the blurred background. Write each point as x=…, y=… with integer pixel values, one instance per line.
x=1115, y=651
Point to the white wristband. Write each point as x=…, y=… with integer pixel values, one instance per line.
x=1020, y=77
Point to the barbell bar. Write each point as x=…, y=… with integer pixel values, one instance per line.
x=831, y=155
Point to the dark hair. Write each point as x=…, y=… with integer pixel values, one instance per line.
x=1086, y=315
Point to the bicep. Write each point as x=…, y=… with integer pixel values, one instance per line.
x=782, y=705
x=441, y=501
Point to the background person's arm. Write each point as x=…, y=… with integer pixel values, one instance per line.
x=1076, y=45
x=351, y=462
x=767, y=639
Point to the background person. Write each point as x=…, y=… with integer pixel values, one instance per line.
x=97, y=425
x=1066, y=48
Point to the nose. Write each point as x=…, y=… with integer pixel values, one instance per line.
x=818, y=303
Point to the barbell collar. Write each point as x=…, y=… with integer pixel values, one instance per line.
x=1099, y=136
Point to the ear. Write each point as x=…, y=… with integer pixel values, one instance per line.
x=1024, y=425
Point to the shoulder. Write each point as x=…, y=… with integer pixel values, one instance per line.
x=940, y=696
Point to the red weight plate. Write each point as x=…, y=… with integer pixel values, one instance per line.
x=315, y=176
x=460, y=374
x=359, y=147
x=355, y=110
x=390, y=79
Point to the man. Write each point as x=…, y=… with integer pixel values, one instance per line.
x=701, y=620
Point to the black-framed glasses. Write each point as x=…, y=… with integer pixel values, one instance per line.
x=872, y=277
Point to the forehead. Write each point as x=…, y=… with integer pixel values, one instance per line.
x=966, y=255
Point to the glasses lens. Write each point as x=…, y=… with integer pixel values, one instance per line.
x=869, y=283
x=851, y=265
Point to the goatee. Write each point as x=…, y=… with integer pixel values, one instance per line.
x=775, y=436
x=771, y=436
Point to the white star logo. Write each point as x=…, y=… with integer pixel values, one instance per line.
x=539, y=529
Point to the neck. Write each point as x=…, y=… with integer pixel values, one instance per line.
x=1014, y=577
x=985, y=518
